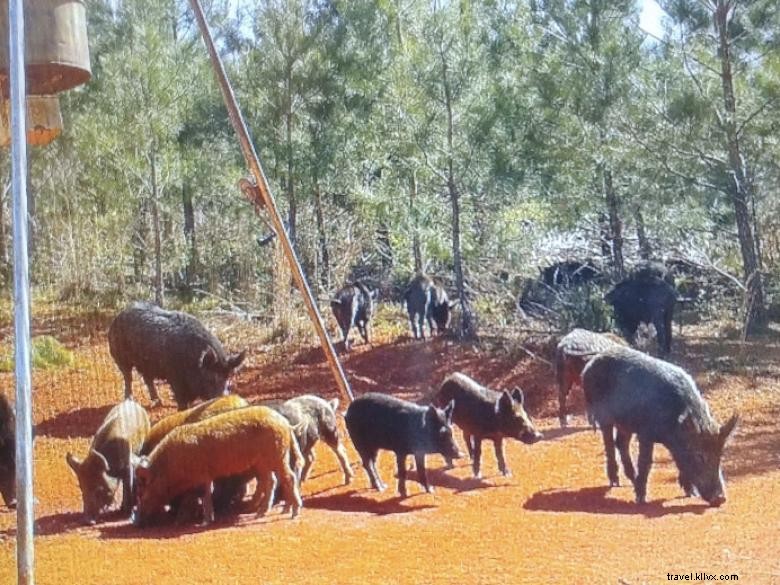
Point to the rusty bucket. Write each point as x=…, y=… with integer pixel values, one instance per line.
x=44, y=120
x=57, y=50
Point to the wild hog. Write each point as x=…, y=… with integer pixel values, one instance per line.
x=313, y=418
x=227, y=491
x=172, y=346
x=660, y=403
x=644, y=297
x=353, y=306
x=377, y=421
x=197, y=413
x=482, y=413
x=7, y=452
x=109, y=460
x=427, y=301
x=254, y=439
x=573, y=352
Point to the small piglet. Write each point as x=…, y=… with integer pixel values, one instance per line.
x=483, y=413
x=377, y=421
x=115, y=444
x=312, y=419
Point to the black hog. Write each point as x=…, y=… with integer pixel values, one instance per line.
x=637, y=394
x=572, y=353
x=482, y=413
x=312, y=419
x=377, y=421
x=644, y=298
x=7, y=452
x=427, y=301
x=172, y=346
x=114, y=447
x=353, y=306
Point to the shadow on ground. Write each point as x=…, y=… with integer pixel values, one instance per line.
x=595, y=500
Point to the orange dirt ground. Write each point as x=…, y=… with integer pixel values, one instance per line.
x=553, y=521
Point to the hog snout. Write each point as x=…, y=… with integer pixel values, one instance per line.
x=12, y=504
x=531, y=437
x=717, y=501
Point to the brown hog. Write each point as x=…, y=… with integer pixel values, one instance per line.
x=190, y=457
x=573, y=352
x=195, y=414
x=109, y=460
x=482, y=413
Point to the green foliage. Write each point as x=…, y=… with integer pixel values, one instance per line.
x=47, y=353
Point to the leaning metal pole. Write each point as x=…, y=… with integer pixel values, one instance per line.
x=24, y=478
x=268, y=200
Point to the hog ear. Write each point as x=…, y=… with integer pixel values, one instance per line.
x=74, y=463
x=101, y=461
x=448, y=410
x=142, y=472
x=728, y=428
x=518, y=396
x=235, y=360
x=209, y=359
x=334, y=404
x=504, y=402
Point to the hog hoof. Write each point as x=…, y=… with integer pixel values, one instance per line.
x=506, y=473
x=564, y=421
x=429, y=489
x=614, y=483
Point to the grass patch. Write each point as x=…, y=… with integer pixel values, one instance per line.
x=47, y=353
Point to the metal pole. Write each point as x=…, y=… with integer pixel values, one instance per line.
x=268, y=201
x=24, y=476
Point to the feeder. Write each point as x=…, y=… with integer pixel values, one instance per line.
x=57, y=51
x=44, y=120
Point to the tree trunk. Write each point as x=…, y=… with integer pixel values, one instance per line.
x=385, y=247
x=467, y=323
x=159, y=293
x=140, y=241
x=645, y=248
x=290, y=184
x=742, y=187
x=322, y=236
x=5, y=267
x=188, y=209
x=416, y=248
x=615, y=225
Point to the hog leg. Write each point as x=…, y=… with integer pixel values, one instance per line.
x=290, y=489
x=127, y=487
x=365, y=331
x=208, y=504
x=421, y=325
x=341, y=454
x=607, y=434
x=369, y=464
x=152, y=391
x=498, y=445
x=127, y=374
x=686, y=484
x=308, y=458
x=623, y=441
x=422, y=475
x=644, y=462
x=262, y=499
x=477, y=457
x=564, y=385
x=401, y=460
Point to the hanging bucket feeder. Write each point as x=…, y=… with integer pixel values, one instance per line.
x=57, y=50
x=44, y=120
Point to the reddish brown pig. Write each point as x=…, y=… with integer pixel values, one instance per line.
x=191, y=456
x=573, y=352
x=114, y=446
x=195, y=414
